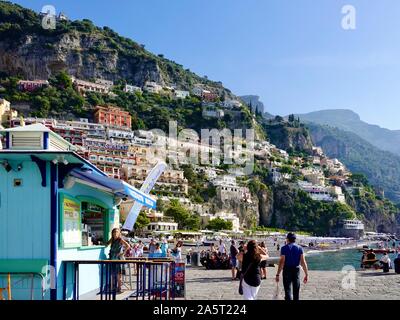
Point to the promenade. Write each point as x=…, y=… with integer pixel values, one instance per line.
x=202, y=284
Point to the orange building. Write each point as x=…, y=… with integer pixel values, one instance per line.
x=112, y=116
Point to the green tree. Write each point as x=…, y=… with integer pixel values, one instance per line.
x=218, y=224
x=182, y=216
x=141, y=221
x=62, y=80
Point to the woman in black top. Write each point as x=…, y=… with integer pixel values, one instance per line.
x=263, y=265
x=251, y=270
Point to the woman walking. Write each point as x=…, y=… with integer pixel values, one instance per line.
x=263, y=264
x=251, y=277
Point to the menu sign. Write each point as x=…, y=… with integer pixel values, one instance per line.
x=179, y=280
x=71, y=231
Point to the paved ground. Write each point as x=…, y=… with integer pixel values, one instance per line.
x=325, y=285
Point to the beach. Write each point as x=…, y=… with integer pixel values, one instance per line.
x=322, y=285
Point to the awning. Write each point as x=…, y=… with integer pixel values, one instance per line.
x=117, y=187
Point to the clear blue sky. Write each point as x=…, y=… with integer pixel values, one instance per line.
x=294, y=54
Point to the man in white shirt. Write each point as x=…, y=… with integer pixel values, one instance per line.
x=221, y=247
x=385, y=261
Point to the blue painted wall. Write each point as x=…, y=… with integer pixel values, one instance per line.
x=24, y=214
x=25, y=229
x=24, y=223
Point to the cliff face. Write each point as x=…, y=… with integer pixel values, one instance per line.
x=376, y=214
x=84, y=51
x=289, y=138
x=265, y=206
x=74, y=52
x=248, y=213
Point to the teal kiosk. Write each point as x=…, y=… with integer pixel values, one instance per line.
x=54, y=206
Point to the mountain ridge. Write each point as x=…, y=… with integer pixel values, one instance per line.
x=346, y=119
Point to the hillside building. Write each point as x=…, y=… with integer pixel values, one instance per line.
x=113, y=116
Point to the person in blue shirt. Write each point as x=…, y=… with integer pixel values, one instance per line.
x=292, y=257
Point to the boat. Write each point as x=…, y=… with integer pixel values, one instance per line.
x=189, y=238
x=378, y=251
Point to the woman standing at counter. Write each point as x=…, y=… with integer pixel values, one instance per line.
x=118, y=250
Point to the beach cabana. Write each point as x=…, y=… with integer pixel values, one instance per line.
x=54, y=206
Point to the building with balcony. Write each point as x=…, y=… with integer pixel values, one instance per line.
x=32, y=85
x=352, y=228
x=86, y=86
x=107, y=83
x=180, y=94
x=112, y=116
x=232, y=104
x=132, y=89
x=171, y=181
x=152, y=87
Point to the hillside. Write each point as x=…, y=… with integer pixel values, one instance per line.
x=80, y=49
x=84, y=51
x=381, y=167
x=384, y=139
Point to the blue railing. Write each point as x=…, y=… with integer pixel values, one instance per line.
x=142, y=279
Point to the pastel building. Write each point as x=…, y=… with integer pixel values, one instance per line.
x=6, y=113
x=55, y=207
x=32, y=85
x=112, y=116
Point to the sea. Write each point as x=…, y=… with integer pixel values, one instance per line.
x=336, y=260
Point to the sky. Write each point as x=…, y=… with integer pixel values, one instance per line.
x=294, y=54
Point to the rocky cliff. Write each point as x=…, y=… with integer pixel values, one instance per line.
x=288, y=137
x=84, y=51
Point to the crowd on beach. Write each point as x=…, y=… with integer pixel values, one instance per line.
x=247, y=261
x=248, y=264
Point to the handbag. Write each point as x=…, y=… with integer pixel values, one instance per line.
x=241, y=279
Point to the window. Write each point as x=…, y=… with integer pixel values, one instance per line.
x=93, y=226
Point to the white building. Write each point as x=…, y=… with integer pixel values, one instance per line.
x=316, y=192
x=132, y=89
x=152, y=87
x=225, y=180
x=180, y=94
x=162, y=227
x=232, y=217
x=86, y=86
x=207, y=113
x=231, y=104
x=209, y=172
x=107, y=83
x=197, y=91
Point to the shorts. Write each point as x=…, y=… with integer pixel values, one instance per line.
x=263, y=264
x=234, y=262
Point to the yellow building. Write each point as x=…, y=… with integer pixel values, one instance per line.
x=6, y=113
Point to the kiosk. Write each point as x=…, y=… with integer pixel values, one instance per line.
x=54, y=206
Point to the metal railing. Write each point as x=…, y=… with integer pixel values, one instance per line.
x=16, y=284
x=142, y=278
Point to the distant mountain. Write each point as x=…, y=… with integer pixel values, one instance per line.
x=381, y=167
x=348, y=120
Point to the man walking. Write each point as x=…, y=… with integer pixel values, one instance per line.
x=292, y=257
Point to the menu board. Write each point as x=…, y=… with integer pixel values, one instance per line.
x=71, y=223
x=179, y=281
